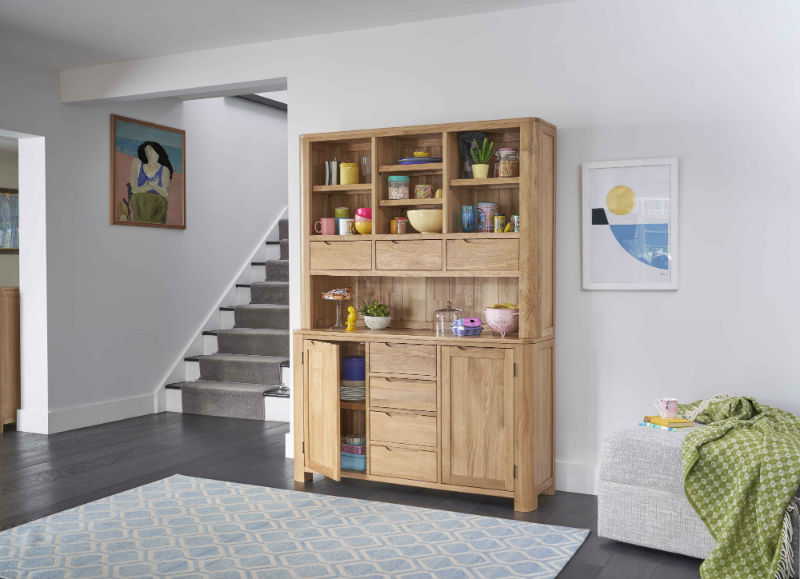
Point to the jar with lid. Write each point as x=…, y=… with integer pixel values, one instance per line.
x=398, y=186
x=507, y=162
x=444, y=318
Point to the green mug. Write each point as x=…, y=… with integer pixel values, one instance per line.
x=342, y=212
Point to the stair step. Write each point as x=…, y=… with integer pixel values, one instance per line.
x=277, y=270
x=284, y=249
x=261, y=342
x=222, y=398
x=246, y=368
x=269, y=292
x=262, y=316
x=283, y=229
x=210, y=332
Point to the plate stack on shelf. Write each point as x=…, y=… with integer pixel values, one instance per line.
x=354, y=384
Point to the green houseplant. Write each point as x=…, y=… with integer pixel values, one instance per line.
x=376, y=315
x=481, y=155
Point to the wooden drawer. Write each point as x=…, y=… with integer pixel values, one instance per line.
x=340, y=255
x=406, y=463
x=413, y=359
x=402, y=393
x=483, y=254
x=409, y=255
x=402, y=428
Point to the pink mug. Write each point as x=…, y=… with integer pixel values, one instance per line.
x=325, y=226
x=667, y=407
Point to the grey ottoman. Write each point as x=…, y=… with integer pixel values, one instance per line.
x=641, y=498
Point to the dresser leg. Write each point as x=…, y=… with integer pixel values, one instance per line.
x=551, y=490
x=526, y=504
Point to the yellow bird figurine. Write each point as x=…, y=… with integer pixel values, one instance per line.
x=351, y=319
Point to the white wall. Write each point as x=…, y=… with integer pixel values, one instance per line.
x=9, y=176
x=712, y=82
x=124, y=301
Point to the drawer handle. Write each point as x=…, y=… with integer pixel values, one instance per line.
x=384, y=446
x=386, y=413
x=395, y=242
x=326, y=242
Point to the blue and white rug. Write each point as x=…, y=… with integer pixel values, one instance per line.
x=193, y=528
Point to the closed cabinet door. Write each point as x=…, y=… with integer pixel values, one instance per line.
x=321, y=424
x=478, y=417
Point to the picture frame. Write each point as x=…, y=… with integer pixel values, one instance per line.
x=148, y=174
x=629, y=214
x=9, y=220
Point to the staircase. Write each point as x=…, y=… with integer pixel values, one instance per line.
x=247, y=366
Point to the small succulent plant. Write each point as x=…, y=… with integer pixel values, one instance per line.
x=481, y=155
x=374, y=309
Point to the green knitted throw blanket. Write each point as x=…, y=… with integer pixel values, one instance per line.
x=741, y=474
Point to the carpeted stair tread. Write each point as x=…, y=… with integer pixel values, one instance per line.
x=283, y=229
x=257, y=341
x=227, y=387
x=222, y=398
x=247, y=368
x=284, y=249
x=274, y=316
x=277, y=270
x=269, y=292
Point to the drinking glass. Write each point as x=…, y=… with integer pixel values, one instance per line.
x=468, y=218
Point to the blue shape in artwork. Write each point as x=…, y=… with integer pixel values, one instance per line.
x=649, y=243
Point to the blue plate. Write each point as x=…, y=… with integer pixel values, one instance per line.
x=418, y=160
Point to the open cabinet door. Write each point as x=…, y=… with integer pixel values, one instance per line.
x=322, y=429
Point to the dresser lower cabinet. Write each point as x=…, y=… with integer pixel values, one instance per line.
x=475, y=418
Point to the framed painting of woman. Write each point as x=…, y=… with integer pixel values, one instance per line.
x=148, y=174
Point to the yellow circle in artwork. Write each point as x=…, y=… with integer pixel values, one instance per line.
x=621, y=200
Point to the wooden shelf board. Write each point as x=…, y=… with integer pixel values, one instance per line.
x=418, y=168
x=410, y=273
x=491, y=182
x=509, y=235
x=354, y=189
x=408, y=202
x=487, y=337
x=353, y=405
x=339, y=238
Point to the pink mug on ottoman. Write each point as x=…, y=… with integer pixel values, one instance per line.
x=667, y=407
x=325, y=226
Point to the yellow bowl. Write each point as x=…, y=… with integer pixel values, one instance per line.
x=364, y=227
x=425, y=220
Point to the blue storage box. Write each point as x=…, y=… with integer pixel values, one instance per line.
x=353, y=368
x=354, y=461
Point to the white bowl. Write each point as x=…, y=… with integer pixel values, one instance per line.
x=377, y=323
x=425, y=220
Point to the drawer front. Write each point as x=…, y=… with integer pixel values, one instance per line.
x=483, y=254
x=402, y=393
x=412, y=359
x=402, y=428
x=340, y=255
x=409, y=255
x=406, y=463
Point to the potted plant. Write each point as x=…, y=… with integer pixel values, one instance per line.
x=376, y=315
x=481, y=155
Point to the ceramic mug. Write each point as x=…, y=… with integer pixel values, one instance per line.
x=347, y=227
x=325, y=226
x=667, y=407
x=342, y=212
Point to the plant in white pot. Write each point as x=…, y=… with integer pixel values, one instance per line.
x=481, y=155
x=376, y=315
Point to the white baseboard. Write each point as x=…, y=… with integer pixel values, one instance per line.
x=577, y=477
x=53, y=421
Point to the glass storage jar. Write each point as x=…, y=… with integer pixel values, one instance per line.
x=398, y=186
x=444, y=318
x=508, y=162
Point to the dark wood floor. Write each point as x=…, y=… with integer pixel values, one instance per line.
x=41, y=475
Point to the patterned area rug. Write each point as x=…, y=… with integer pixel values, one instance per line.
x=193, y=528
